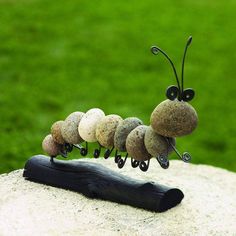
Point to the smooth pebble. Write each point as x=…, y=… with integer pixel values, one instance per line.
x=157, y=144
x=122, y=131
x=88, y=124
x=69, y=129
x=106, y=128
x=135, y=144
x=50, y=146
x=56, y=132
x=174, y=118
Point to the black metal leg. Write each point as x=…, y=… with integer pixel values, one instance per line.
x=97, y=151
x=134, y=163
x=163, y=161
x=144, y=166
x=117, y=157
x=121, y=162
x=84, y=151
x=108, y=152
x=186, y=157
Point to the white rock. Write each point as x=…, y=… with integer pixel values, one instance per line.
x=88, y=124
x=208, y=208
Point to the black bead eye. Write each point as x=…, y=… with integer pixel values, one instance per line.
x=188, y=94
x=172, y=92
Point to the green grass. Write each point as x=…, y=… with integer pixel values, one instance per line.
x=57, y=57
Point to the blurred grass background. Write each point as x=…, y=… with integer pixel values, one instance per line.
x=57, y=57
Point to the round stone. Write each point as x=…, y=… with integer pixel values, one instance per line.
x=69, y=129
x=135, y=144
x=50, y=146
x=156, y=144
x=122, y=131
x=88, y=124
x=106, y=128
x=174, y=118
x=56, y=132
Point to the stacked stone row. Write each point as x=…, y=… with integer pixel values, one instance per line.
x=129, y=135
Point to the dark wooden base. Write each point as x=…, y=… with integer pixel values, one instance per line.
x=96, y=181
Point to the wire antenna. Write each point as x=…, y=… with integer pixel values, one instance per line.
x=185, y=51
x=155, y=50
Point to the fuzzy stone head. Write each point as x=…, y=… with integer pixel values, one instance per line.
x=175, y=117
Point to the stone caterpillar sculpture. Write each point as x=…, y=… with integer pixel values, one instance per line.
x=172, y=118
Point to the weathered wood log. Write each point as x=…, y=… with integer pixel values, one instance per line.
x=96, y=181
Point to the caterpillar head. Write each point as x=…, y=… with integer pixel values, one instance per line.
x=175, y=117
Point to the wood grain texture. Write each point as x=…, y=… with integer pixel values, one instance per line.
x=96, y=181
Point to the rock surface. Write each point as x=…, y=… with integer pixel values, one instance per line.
x=69, y=129
x=135, y=144
x=174, y=118
x=88, y=124
x=50, y=146
x=56, y=132
x=106, y=129
x=157, y=144
x=123, y=130
x=209, y=206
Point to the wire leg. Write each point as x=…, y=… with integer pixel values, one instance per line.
x=121, y=162
x=97, y=151
x=84, y=151
x=68, y=147
x=134, y=163
x=108, y=152
x=163, y=161
x=117, y=157
x=186, y=157
x=63, y=153
x=144, y=166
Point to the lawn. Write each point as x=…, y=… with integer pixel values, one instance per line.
x=57, y=57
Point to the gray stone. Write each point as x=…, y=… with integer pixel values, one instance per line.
x=69, y=128
x=122, y=131
x=135, y=144
x=157, y=144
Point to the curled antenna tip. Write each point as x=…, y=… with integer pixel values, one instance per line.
x=189, y=40
x=154, y=50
